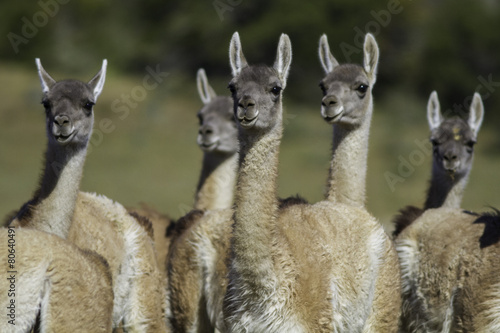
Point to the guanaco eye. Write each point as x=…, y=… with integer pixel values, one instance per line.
x=88, y=106
x=434, y=142
x=323, y=88
x=276, y=90
x=362, y=88
x=470, y=145
x=232, y=88
x=46, y=105
x=200, y=119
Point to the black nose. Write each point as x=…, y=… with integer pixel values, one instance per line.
x=246, y=103
x=329, y=101
x=450, y=156
x=206, y=130
x=62, y=121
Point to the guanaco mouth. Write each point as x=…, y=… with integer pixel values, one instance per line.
x=208, y=146
x=332, y=119
x=61, y=138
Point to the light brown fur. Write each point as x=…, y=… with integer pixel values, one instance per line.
x=68, y=288
x=274, y=276
x=160, y=224
x=453, y=140
x=451, y=272
x=448, y=258
x=89, y=221
x=308, y=268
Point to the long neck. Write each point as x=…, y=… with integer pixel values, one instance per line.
x=444, y=190
x=347, y=179
x=56, y=198
x=217, y=181
x=256, y=209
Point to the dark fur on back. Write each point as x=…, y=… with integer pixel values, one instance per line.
x=144, y=222
x=177, y=228
x=291, y=201
x=8, y=218
x=405, y=217
x=491, y=234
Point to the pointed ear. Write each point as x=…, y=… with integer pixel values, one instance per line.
x=434, y=116
x=46, y=80
x=325, y=56
x=236, y=57
x=283, y=58
x=97, y=82
x=206, y=92
x=476, y=113
x=371, y=53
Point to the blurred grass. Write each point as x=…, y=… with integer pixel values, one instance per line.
x=151, y=155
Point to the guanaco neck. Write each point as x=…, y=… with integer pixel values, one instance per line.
x=217, y=181
x=445, y=190
x=256, y=208
x=55, y=200
x=347, y=179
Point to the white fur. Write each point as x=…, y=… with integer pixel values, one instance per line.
x=283, y=58
x=205, y=91
x=492, y=314
x=326, y=58
x=126, y=303
x=434, y=111
x=235, y=54
x=476, y=113
x=100, y=77
x=45, y=79
x=31, y=293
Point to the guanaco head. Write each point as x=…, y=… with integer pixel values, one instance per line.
x=256, y=90
x=453, y=138
x=217, y=132
x=347, y=88
x=69, y=107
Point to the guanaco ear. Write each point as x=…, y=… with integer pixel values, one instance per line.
x=371, y=54
x=434, y=116
x=476, y=113
x=236, y=57
x=325, y=56
x=46, y=80
x=283, y=58
x=207, y=93
x=97, y=82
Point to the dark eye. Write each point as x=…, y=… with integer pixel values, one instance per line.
x=323, y=88
x=362, y=88
x=470, y=145
x=434, y=142
x=46, y=105
x=200, y=119
x=276, y=90
x=232, y=88
x=88, y=106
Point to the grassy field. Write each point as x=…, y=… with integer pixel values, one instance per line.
x=146, y=151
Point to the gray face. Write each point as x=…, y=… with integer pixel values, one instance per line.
x=453, y=145
x=69, y=117
x=256, y=94
x=218, y=130
x=346, y=95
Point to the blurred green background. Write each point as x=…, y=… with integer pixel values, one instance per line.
x=149, y=153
